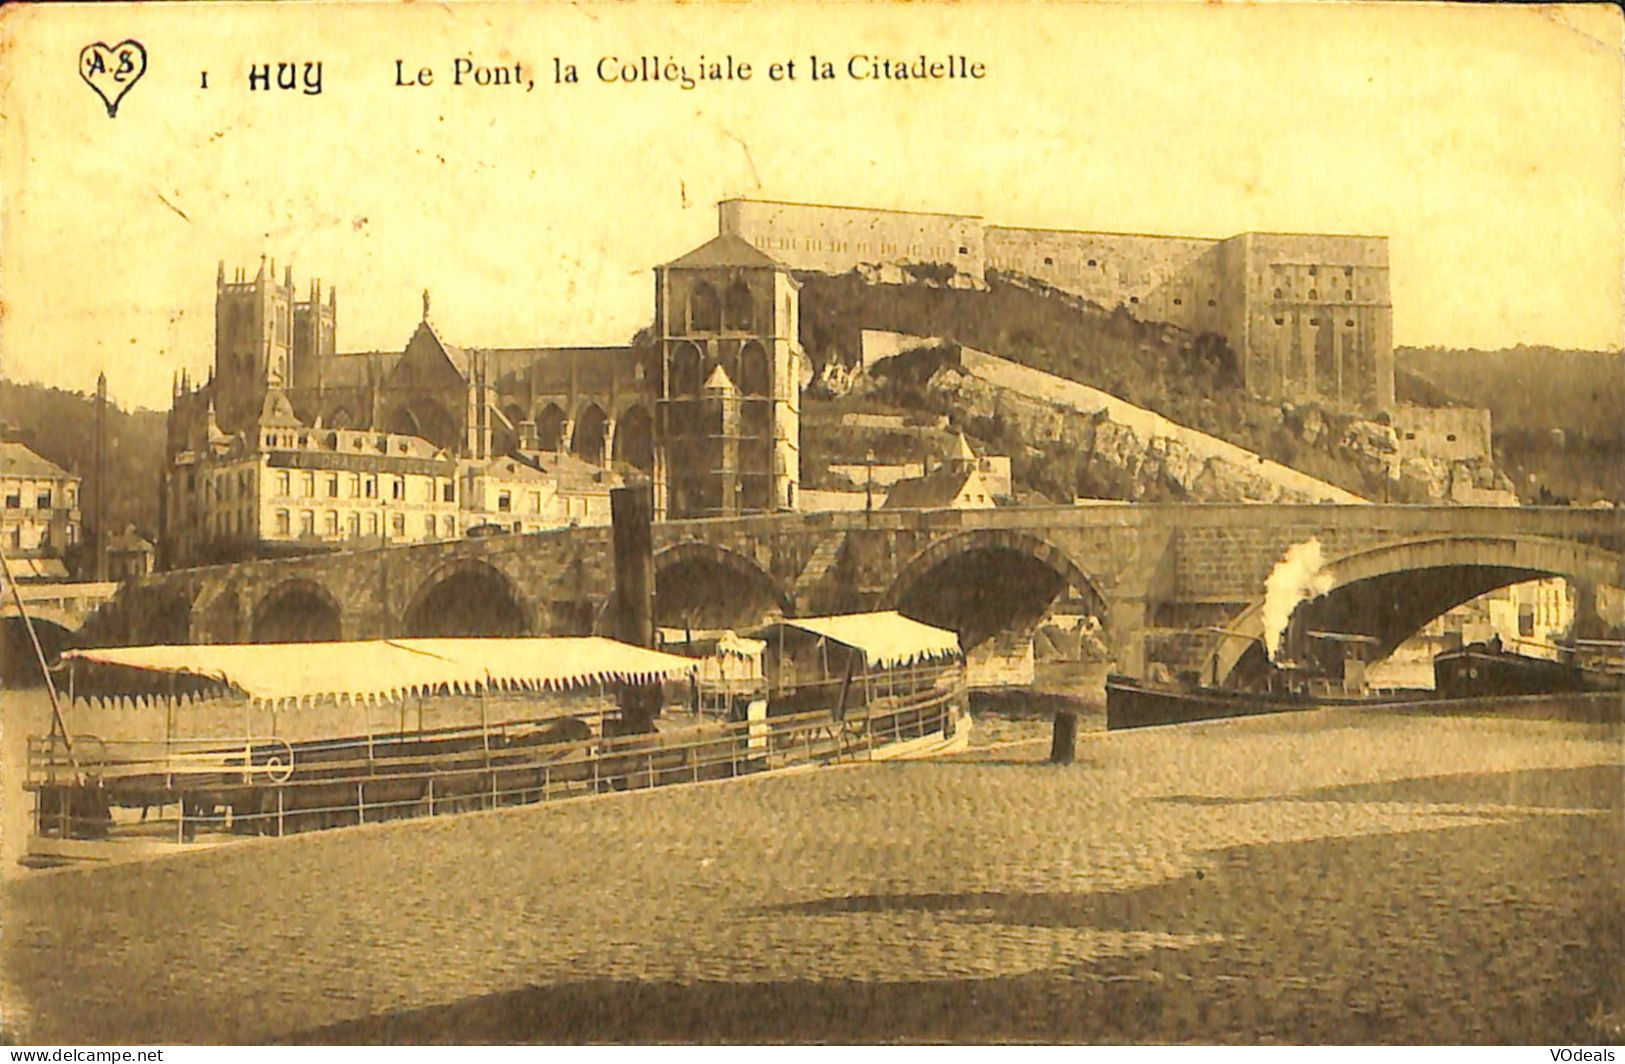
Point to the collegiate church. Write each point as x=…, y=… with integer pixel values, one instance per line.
x=292, y=444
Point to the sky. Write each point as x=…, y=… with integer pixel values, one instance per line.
x=1485, y=141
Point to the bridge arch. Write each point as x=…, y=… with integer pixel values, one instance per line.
x=702, y=585
x=217, y=617
x=469, y=597
x=1390, y=592
x=988, y=581
x=298, y=610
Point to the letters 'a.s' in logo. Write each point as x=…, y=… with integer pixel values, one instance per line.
x=112, y=71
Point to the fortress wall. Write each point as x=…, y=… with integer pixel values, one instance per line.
x=1309, y=315
x=1146, y=274
x=1319, y=318
x=809, y=236
x=1451, y=434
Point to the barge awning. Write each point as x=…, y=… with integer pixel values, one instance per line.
x=887, y=638
x=383, y=669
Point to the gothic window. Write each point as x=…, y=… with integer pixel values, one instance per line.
x=737, y=307
x=704, y=309
x=755, y=370
x=685, y=371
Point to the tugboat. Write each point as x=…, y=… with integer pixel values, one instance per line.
x=1490, y=668
x=1334, y=675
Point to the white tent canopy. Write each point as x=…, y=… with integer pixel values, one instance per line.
x=887, y=639
x=276, y=673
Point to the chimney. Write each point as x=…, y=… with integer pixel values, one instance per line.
x=100, y=498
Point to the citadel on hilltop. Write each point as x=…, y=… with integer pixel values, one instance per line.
x=292, y=444
x=1308, y=314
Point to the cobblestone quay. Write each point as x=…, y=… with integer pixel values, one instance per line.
x=1315, y=877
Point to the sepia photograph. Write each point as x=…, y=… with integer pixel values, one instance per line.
x=753, y=523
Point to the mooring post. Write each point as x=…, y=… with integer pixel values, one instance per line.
x=1063, y=746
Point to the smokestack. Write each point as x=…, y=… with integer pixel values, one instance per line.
x=100, y=498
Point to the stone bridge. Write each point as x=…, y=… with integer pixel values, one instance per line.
x=1163, y=579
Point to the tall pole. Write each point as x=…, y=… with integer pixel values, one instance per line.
x=57, y=723
x=100, y=498
x=630, y=515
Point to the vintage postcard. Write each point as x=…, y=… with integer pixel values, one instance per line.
x=812, y=523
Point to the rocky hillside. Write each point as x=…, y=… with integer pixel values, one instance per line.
x=1188, y=379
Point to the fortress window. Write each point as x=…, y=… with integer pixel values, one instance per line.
x=1049, y=261
x=1314, y=293
x=1280, y=321
x=963, y=250
x=1451, y=437
x=1348, y=293
x=1313, y=270
x=1314, y=321
x=1277, y=293
x=1211, y=303
x=1178, y=302
x=1349, y=322
x=1348, y=271
x=1133, y=299
x=1091, y=262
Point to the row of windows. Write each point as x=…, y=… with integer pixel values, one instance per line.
x=361, y=487
x=1314, y=293
x=353, y=524
x=42, y=500
x=1348, y=323
x=862, y=246
x=358, y=441
x=14, y=537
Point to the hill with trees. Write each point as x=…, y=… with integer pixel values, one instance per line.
x=61, y=426
x=1558, y=416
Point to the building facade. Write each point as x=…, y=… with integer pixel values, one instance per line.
x=40, y=518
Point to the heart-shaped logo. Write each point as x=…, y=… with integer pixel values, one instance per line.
x=112, y=71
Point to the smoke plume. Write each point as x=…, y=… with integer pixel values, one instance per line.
x=1296, y=578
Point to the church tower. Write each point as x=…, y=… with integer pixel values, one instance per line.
x=729, y=400
x=264, y=337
